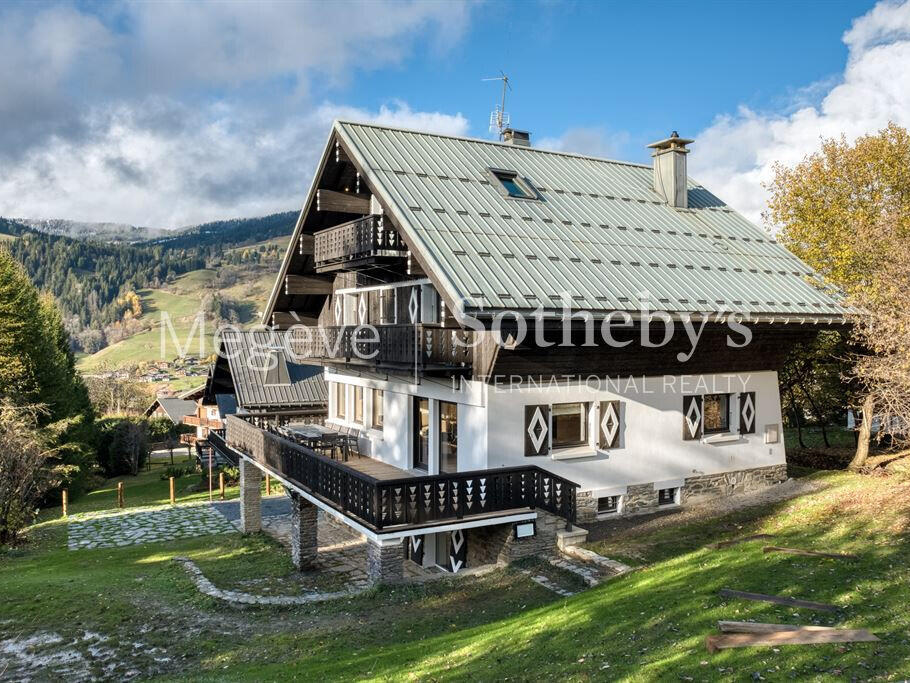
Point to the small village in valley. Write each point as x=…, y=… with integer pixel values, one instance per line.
x=609, y=388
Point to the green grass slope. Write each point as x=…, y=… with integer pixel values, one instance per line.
x=648, y=625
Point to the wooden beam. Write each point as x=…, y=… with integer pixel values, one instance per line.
x=306, y=284
x=800, y=637
x=284, y=320
x=811, y=553
x=737, y=541
x=758, y=627
x=342, y=202
x=777, y=600
x=306, y=245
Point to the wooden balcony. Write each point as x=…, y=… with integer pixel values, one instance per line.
x=196, y=421
x=362, y=242
x=384, y=504
x=422, y=347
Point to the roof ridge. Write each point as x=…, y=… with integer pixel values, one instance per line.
x=496, y=143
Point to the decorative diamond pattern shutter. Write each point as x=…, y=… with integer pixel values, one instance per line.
x=416, y=548
x=458, y=551
x=747, y=412
x=610, y=425
x=692, y=417
x=537, y=430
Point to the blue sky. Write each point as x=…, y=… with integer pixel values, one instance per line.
x=167, y=114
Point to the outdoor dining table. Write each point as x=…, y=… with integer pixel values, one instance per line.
x=319, y=437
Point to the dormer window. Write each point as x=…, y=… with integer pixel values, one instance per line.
x=511, y=185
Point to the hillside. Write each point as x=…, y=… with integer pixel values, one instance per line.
x=95, y=280
x=151, y=351
x=104, y=232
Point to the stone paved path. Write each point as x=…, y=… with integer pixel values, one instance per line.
x=108, y=529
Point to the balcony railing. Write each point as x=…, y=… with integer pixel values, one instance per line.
x=409, y=501
x=216, y=441
x=420, y=346
x=196, y=421
x=363, y=238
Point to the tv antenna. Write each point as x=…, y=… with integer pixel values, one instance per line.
x=499, y=119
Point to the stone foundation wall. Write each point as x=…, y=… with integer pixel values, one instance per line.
x=492, y=544
x=709, y=486
x=642, y=498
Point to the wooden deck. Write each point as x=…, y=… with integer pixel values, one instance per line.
x=375, y=468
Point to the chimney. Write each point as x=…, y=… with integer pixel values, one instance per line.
x=518, y=138
x=670, y=178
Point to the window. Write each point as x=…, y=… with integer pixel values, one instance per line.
x=607, y=505
x=667, y=496
x=358, y=405
x=421, y=433
x=377, y=407
x=340, y=403
x=569, y=424
x=513, y=186
x=448, y=437
x=716, y=409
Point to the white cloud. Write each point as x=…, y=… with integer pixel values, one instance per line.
x=591, y=141
x=164, y=114
x=216, y=163
x=735, y=155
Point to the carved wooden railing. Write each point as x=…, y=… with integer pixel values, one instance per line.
x=409, y=501
x=399, y=345
x=357, y=239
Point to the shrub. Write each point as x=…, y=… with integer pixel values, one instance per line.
x=176, y=471
x=26, y=471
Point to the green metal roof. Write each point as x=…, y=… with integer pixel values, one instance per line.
x=598, y=238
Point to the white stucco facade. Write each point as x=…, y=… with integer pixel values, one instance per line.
x=492, y=424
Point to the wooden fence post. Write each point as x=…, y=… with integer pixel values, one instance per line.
x=268, y=485
x=221, y=484
x=173, y=497
x=119, y=494
x=65, y=501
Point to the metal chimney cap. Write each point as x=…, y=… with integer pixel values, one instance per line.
x=673, y=142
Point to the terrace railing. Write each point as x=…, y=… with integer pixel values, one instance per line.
x=409, y=501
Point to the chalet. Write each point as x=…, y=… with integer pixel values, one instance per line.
x=521, y=341
x=253, y=377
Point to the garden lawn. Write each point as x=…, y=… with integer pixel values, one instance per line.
x=647, y=625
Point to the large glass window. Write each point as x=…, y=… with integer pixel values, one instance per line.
x=358, y=405
x=421, y=433
x=569, y=424
x=340, y=403
x=448, y=437
x=717, y=413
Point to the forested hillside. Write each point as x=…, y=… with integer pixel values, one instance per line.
x=95, y=282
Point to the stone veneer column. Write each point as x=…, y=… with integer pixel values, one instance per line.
x=304, y=542
x=250, y=497
x=385, y=561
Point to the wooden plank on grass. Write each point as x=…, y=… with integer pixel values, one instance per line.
x=800, y=637
x=813, y=553
x=776, y=599
x=737, y=541
x=758, y=627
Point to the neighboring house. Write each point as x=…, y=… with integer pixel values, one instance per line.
x=175, y=409
x=413, y=247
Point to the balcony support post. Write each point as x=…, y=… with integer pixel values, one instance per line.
x=304, y=535
x=250, y=497
x=385, y=560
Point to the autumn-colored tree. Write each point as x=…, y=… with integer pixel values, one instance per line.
x=829, y=207
x=845, y=210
